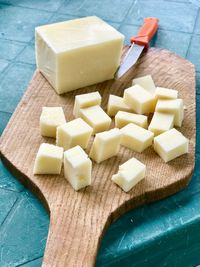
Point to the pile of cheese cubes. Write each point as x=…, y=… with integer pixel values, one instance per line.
x=131, y=130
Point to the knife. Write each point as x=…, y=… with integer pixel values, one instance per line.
x=138, y=43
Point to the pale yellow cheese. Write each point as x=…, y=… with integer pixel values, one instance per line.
x=105, y=145
x=50, y=119
x=116, y=103
x=172, y=106
x=123, y=118
x=165, y=93
x=96, y=117
x=77, y=168
x=146, y=82
x=139, y=99
x=136, y=137
x=161, y=122
x=130, y=173
x=72, y=133
x=171, y=144
x=48, y=159
x=85, y=101
x=78, y=53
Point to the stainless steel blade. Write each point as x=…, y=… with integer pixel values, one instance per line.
x=129, y=60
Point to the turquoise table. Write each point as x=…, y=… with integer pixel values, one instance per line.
x=166, y=233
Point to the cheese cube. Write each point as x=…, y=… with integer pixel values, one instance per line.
x=172, y=106
x=116, y=103
x=123, y=118
x=85, y=101
x=48, y=160
x=72, y=133
x=146, y=82
x=78, y=53
x=139, y=100
x=136, y=137
x=171, y=144
x=130, y=173
x=77, y=168
x=105, y=145
x=96, y=117
x=165, y=93
x=50, y=119
x=161, y=122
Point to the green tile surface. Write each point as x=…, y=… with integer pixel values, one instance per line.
x=176, y=16
x=23, y=234
x=18, y=23
x=10, y=49
x=8, y=181
x=165, y=233
x=13, y=83
x=108, y=10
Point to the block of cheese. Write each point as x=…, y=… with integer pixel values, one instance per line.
x=165, y=93
x=48, y=160
x=146, y=82
x=105, y=145
x=77, y=53
x=50, y=119
x=130, y=173
x=96, y=117
x=161, y=122
x=171, y=144
x=72, y=133
x=139, y=99
x=77, y=167
x=172, y=106
x=123, y=118
x=85, y=101
x=116, y=103
x=136, y=137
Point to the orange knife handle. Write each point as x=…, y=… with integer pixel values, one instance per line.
x=146, y=32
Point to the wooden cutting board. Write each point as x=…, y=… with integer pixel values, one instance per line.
x=79, y=219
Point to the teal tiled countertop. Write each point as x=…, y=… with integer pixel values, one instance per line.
x=166, y=233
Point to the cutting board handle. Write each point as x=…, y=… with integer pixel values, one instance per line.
x=74, y=237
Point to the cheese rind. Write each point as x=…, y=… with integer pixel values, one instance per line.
x=96, y=117
x=130, y=173
x=139, y=99
x=165, y=93
x=50, y=119
x=105, y=145
x=171, y=144
x=77, y=168
x=85, y=101
x=161, y=122
x=135, y=137
x=146, y=82
x=48, y=159
x=77, y=53
x=123, y=118
x=172, y=106
x=73, y=133
x=116, y=103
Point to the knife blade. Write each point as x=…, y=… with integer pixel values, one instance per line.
x=138, y=43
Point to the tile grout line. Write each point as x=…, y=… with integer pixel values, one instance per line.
x=26, y=7
x=6, y=112
x=21, y=265
x=9, y=212
x=123, y=21
x=11, y=190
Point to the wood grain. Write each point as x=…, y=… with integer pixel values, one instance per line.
x=79, y=219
